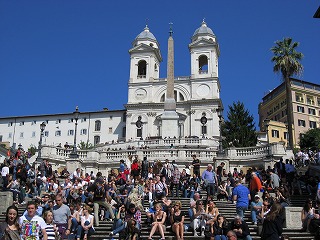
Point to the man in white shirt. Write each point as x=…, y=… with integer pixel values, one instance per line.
x=31, y=224
x=4, y=172
x=76, y=174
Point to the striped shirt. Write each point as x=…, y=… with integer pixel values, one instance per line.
x=50, y=232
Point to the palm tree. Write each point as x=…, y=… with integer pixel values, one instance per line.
x=287, y=62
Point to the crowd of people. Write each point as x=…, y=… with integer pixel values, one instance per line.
x=71, y=208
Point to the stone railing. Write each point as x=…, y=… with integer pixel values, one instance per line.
x=180, y=150
x=248, y=152
x=160, y=143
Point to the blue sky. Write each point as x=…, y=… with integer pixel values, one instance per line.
x=55, y=55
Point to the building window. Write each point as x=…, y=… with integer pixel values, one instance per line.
x=301, y=123
x=21, y=135
x=96, y=140
x=142, y=69
x=10, y=124
x=110, y=130
x=203, y=129
x=299, y=98
x=10, y=135
x=124, y=132
x=21, y=123
x=318, y=101
x=33, y=134
x=139, y=132
x=33, y=122
x=46, y=133
x=97, y=125
x=58, y=133
x=313, y=124
x=285, y=135
x=311, y=111
x=181, y=97
x=47, y=121
x=70, y=120
x=124, y=117
x=70, y=132
x=203, y=64
x=58, y=121
x=83, y=119
x=1, y=138
x=163, y=97
x=275, y=133
x=310, y=100
x=300, y=109
x=83, y=131
x=110, y=117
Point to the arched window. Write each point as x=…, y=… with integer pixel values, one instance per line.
x=96, y=140
x=163, y=97
x=203, y=121
x=203, y=64
x=139, y=127
x=97, y=125
x=178, y=96
x=124, y=132
x=181, y=97
x=142, y=69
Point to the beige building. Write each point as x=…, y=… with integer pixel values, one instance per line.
x=306, y=111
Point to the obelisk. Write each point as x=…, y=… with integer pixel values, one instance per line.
x=170, y=117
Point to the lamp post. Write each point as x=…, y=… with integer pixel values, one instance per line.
x=74, y=153
x=220, y=111
x=42, y=127
x=266, y=124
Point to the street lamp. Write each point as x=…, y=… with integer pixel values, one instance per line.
x=42, y=127
x=74, y=153
x=220, y=111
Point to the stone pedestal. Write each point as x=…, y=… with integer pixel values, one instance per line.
x=72, y=164
x=6, y=199
x=170, y=124
x=292, y=217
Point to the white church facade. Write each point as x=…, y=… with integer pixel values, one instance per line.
x=197, y=99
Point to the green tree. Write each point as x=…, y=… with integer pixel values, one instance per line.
x=310, y=139
x=85, y=145
x=239, y=129
x=286, y=61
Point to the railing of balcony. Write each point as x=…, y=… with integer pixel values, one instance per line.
x=141, y=76
x=203, y=71
x=252, y=151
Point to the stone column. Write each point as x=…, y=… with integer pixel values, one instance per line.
x=170, y=117
x=6, y=199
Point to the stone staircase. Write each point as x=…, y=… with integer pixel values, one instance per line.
x=227, y=209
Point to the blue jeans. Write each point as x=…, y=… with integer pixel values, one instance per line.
x=189, y=193
x=190, y=213
x=82, y=232
x=74, y=225
x=119, y=226
x=254, y=215
x=220, y=237
x=241, y=210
